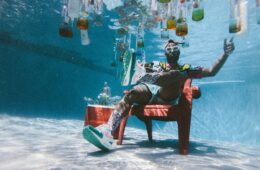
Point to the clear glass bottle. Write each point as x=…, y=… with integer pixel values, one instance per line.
x=82, y=24
x=171, y=15
x=65, y=29
x=163, y=23
x=98, y=7
x=235, y=20
x=84, y=37
x=258, y=11
x=164, y=30
x=154, y=7
x=182, y=27
x=73, y=9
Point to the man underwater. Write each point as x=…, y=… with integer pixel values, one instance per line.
x=162, y=84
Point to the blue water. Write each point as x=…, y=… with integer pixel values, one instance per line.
x=44, y=75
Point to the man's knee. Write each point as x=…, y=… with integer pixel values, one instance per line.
x=139, y=94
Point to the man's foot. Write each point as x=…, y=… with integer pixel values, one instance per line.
x=100, y=137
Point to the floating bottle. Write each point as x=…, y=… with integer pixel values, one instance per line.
x=181, y=27
x=73, y=9
x=243, y=11
x=154, y=6
x=140, y=42
x=171, y=23
x=164, y=30
x=171, y=19
x=140, y=36
x=98, y=7
x=154, y=11
x=65, y=30
x=189, y=4
x=198, y=10
x=163, y=8
x=89, y=5
x=258, y=11
x=164, y=1
x=235, y=20
x=84, y=37
x=82, y=22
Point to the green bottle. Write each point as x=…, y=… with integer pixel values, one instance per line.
x=198, y=10
x=164, y=1
x=197, y=14
x=140, y=43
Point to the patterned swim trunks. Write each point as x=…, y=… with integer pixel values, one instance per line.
x=150, y=78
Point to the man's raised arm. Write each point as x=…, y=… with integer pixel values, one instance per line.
x=228, y=49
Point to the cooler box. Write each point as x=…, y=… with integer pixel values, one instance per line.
x=97, y=114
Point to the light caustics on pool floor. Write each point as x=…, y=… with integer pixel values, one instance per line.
x=37, y=143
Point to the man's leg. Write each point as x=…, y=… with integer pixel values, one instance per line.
x=101, y=136
x=140, y=94
x=170, y=83
x=164, y=79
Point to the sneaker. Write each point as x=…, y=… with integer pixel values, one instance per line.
x=104, y=128
x=129, y=60
x=99, y=137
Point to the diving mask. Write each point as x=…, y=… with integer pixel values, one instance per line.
x=172, y=49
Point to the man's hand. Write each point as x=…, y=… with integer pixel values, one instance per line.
x=228, y=46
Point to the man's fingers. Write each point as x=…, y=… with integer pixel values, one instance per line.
x=225, y=41
x=231, y=40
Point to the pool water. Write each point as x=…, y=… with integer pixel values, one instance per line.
x=45, y=77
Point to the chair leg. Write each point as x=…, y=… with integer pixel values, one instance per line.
x=184, y=134
x=122, y=130
x=148, y=124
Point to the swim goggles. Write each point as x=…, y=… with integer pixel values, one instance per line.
x=172, y=49
x=172, y=46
